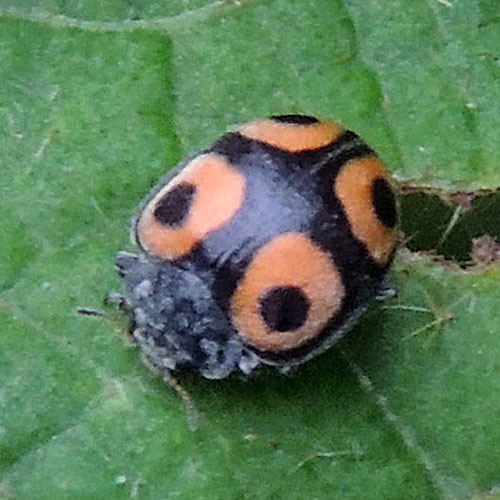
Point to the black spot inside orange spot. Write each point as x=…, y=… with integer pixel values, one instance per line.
x=384, y=202
x=295, y=119
x=173, y=208
x=284, y=308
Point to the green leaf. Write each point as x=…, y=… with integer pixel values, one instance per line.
x=98, y=100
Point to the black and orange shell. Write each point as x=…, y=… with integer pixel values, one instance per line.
x=264, y=248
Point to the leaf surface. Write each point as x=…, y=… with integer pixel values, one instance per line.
x=98, y=100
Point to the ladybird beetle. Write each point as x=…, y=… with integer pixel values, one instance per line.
x=262, y=249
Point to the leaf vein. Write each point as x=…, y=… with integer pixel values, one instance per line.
x=127, y=25
x=443, y=483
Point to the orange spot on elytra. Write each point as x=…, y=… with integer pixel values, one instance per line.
x=353, y=187
x=289, y=260
x=219, y=193
x=292, y=137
